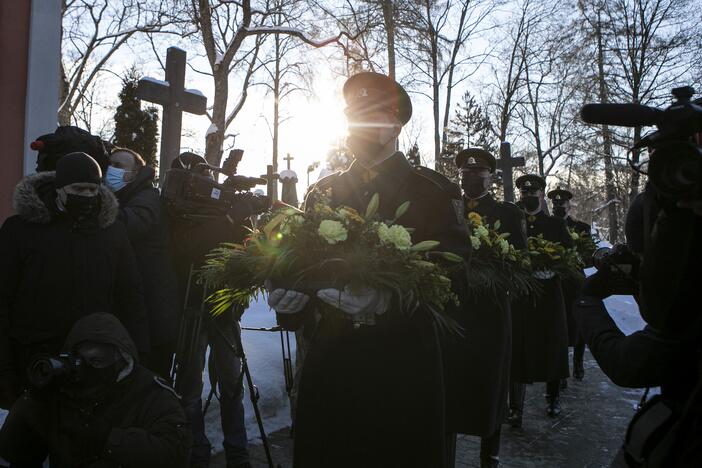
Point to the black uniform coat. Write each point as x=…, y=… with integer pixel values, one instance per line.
x=572, y=286
x=136, y=422
x=539, y=324
x=374, y=396
x=141, y=213
x=51, y=274
x=479, y=365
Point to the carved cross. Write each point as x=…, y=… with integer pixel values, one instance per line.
x=175, y=100
x=288, y=158
x=505, y=164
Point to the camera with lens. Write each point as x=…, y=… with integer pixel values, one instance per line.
x=191, y=190
x=620, y=267
x=43, y=370
x=675, y=159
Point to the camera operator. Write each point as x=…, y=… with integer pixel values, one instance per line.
x=94, y=405
x=194, y=236
x=141, y=213
x=61, y=257
x=69, y=139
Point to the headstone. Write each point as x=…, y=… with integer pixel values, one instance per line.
x=505, y=164
x=288, y=178
x=272, y=179
x=175, y=99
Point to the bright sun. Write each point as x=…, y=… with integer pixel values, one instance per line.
x=315, y=126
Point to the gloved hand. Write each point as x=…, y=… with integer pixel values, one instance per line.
x=287, y=301
x=357, y=301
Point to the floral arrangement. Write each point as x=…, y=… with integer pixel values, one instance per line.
x=496, y=265
x=551, y=258
x=332, y=247
x=584, y=245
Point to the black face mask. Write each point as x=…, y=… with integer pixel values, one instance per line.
x=531, y=202
x=559, y=211
x=473, y=185
x=81, y=208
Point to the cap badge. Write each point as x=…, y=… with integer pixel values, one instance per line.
x=363, y=92
x=471, y=160
x=527, y=184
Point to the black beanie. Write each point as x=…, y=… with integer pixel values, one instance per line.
x=77, y=168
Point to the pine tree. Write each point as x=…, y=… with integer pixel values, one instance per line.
x=470, y=128
x=136, y=128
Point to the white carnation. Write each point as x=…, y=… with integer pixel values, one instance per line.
x=475, y=242
x=395, y=235
x=332, y=231
x=504, y=246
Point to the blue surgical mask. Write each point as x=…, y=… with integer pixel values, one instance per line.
x=114, y=178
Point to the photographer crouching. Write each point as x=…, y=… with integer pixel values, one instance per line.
x=205, y=214
x=95, y=405
x=660, y=267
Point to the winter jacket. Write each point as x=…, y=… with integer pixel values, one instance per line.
x=137, y=422
x=141, y=213
x=52, y=273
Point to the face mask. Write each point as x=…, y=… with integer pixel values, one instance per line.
x=114, y=178
x=365, y=143
x=79, y=207
x=474, y=186
x=559, y=211
x=531, y=203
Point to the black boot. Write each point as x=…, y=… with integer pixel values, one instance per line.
x=490, y=450
x=553, y=401
x=578, y=369
x=517, y=392
x=564, y=384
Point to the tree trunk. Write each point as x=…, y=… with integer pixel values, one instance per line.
x=607, y=141
x=389, y=20
x=276, y=115
x=214, y=141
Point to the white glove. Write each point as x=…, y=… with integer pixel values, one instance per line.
x=543, y=274
x=362, y=301
x=287, y=301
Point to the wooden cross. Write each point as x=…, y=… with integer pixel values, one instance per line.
x=288, y=158
x=505, y=164
x=175, y=100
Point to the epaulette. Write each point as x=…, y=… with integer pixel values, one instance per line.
x=163, y=383
x=440, y=180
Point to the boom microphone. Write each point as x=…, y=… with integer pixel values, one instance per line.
x=624, y=115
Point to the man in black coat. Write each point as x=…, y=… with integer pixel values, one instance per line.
x=61, y=257
x=371, y=390
x=560, y=200
x=141, y=213
x=110, y=412
x=539, y=324
x=479, y=365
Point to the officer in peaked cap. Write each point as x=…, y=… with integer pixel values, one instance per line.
x=539, y=324
x=480, y=410
x=560, y=200
x=366, y=323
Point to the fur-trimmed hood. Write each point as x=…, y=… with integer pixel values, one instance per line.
x=34, y=197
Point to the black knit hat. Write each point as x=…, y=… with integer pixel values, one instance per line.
x=77, y=168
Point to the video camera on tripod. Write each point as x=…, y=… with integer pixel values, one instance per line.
x=675, y=160
x=191, y=190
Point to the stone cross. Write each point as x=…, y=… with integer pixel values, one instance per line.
x=175, y=100
x=272, y=179
x=288, y=158
x=505, y=164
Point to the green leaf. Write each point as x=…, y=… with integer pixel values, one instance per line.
x=402, y=209
x=274, y=223
x=424, y=246
x=452, y=257
x=497, y=225
x=372, y=207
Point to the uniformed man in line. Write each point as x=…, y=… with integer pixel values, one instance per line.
x=371, y=389
x=560, y=201
x=539, y=324
x=479, y=365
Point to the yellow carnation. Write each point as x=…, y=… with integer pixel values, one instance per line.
x=475, y=218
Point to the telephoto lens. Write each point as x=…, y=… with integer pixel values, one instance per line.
x=45, y=369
